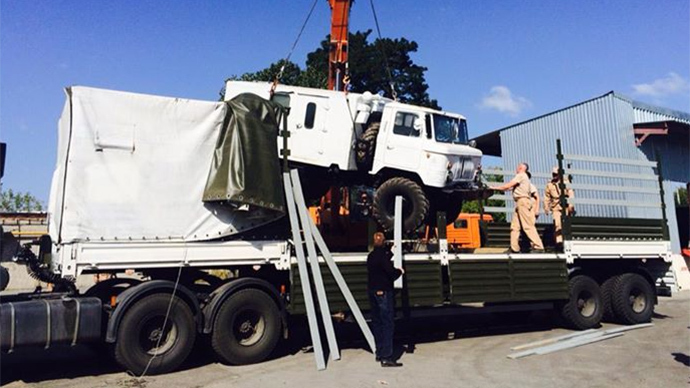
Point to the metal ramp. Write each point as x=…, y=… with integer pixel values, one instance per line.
x=306, y=236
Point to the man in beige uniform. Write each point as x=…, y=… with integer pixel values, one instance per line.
x=552, y=204
x=524, y=217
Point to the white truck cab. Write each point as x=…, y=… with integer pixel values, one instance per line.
x=400, y=149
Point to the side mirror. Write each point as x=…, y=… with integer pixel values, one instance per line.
x=418, y=125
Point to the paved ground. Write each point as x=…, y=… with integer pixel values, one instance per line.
x=467, y=352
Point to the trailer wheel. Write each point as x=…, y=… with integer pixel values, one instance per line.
x=415, y=205
x=606, y=298
x=632, y=299
x=583, y=310
x=247, y=328
x=142, y=339
x=4, y=278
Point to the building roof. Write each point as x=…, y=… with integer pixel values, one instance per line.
x=490, y=142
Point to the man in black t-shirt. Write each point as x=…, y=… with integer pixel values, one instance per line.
x=381, y=275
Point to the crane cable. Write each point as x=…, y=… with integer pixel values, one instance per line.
x=383, y=53
x=276, y=80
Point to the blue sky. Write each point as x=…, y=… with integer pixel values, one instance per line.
x=496, y=62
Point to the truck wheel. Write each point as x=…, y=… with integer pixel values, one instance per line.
x=247, y=328
x=4, y=278
x=367, y=146
x=606, y=294
x=415, y=204
x=142, y=339
x=448, y=203
x=632, y=299
x=583, y=310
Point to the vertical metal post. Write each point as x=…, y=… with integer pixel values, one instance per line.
x=397, y=240
x=315, y=269
x=303, y=274
x=562, y=193
x=285, y=134
x=662, y=193
x=351, y=302
x=442, y=237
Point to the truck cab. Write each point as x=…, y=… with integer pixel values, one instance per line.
x=432, y=144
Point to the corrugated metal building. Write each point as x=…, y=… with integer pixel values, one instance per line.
x=611, y=126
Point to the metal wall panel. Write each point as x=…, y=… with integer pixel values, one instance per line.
x=599, y=127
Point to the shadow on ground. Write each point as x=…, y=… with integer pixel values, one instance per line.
x=38, y=365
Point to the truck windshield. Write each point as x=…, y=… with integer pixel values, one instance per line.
x=450, y=129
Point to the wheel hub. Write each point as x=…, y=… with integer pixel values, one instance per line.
x=637, y=301
x=586, y=305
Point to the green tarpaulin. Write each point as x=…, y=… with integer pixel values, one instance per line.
x=246, y=168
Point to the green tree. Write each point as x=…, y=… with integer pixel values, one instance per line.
x=367, y=69
x=14, y=202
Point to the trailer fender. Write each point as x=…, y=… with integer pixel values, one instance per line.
x=132, y=294
x=222, y=293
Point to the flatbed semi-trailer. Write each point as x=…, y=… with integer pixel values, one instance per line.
x=115, y=208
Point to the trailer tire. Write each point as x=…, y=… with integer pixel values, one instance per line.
x=247, y=327
x=632, y=299
x=606, y=298
x=138, y=335
x=415, y=206
x=4, y=278
x=583, y=310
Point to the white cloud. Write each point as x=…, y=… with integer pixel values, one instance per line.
x=500, y=98
x=661, y=87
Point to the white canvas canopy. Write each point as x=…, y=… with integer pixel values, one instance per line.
x=134, y=167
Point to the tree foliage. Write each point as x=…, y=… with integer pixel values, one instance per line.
x=367, y=69
x=16, y=202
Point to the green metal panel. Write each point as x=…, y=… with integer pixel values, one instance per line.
x=498, y=235
x=423, y=286
x=508, y=280
x=598, y=228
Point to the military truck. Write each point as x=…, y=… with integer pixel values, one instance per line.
x=400, y=149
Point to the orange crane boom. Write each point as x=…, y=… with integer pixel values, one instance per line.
x=337, y=56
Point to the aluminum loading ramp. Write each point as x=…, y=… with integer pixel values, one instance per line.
x=305, y=234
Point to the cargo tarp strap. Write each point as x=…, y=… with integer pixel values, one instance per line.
x=315, y=268
x=76, y=321
x=49, y=323
x=303, y=273
x=12, y=327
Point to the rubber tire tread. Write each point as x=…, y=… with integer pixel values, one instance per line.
x=569, y=310
x=621, y=305
x=412, y=192
x=127, y=352
x=365, y=159
x=606, y=297
x=224, y=343
x=4, y=278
